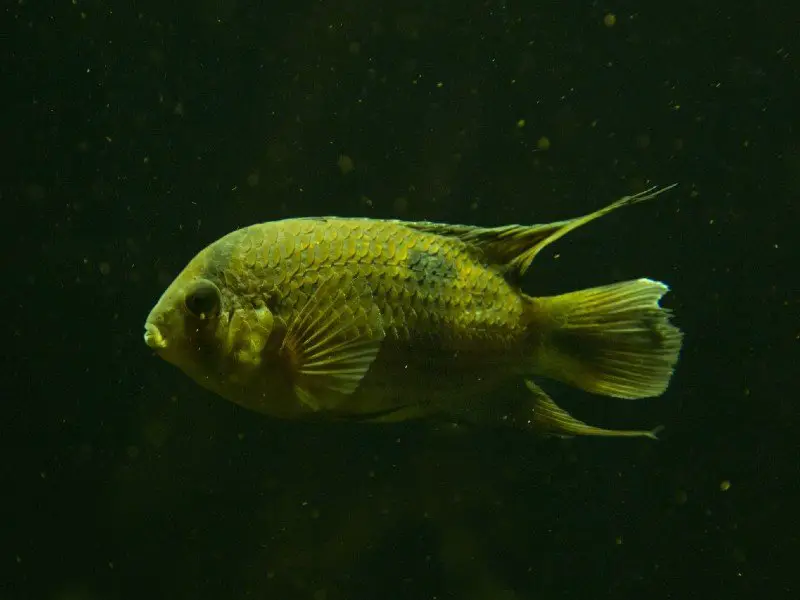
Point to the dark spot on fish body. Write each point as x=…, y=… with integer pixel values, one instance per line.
x=430, y=270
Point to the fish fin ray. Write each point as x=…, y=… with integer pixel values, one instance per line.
x=515, y=246
x=548, y=418
x=613, y=340
x=334, y=340
x=498, y=245
x=523, y=261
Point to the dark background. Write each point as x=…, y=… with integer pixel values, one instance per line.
x=133, y=134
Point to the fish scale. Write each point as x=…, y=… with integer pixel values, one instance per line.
x=388, y=257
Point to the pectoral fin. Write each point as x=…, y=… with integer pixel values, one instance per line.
x=332, y=342
x=550, y=418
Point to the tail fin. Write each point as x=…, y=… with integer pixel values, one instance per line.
x=613, y=340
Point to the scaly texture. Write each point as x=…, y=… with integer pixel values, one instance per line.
x=424, y=285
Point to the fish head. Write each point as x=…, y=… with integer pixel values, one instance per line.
x=182, y=325
x=202, y=326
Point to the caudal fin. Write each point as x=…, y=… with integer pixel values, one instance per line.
x=613, y=340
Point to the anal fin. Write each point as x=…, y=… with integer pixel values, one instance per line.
x=549, y=418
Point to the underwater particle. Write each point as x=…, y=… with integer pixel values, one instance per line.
x=400, y=205
x=345, y=164
x=610, y=19
x=75, y=590
x=642, y=141
x=439, y=84
x=35, y=192
x=354, y=48
x=543, y=143
x=156, y=433
x=724, y=486
x=681, y=497
x=253, y=179
x=738, y=554
x=105, y=268
x=277, y=152
x=521, y=123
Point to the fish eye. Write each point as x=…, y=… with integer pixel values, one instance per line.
x=202, y=300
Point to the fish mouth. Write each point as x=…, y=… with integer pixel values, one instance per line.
x=153, y=337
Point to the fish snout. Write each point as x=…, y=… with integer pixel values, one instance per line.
x=153, y=337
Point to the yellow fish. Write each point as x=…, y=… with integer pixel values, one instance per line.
x=384, y=320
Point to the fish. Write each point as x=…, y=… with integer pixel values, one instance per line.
x=359, y=319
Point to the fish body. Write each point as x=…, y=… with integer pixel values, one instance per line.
x=384, y=320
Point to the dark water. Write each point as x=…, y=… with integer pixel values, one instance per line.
x=134, y=135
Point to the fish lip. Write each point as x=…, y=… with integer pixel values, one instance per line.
x=153, y=337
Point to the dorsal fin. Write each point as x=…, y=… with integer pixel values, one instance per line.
x=499, y=245
x=515, y=246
